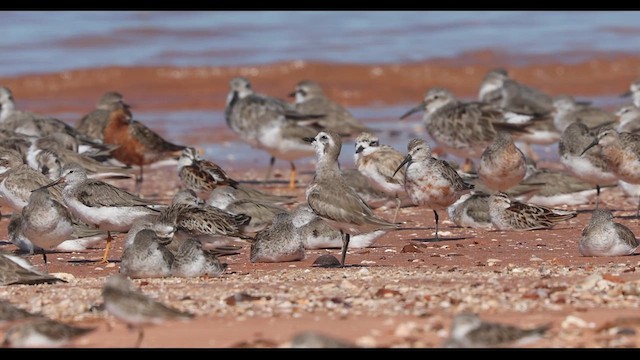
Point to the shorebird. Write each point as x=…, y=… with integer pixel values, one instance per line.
x=586, y=164
x=377, y=163
x=46, y=222
x=189, y=219
x=568, y=110
x=47, y=154
x=201, y=175
x=491, y=86
x=11, y=314
x=100, y=204
x=471, y=210
x=310, y=99
x=278, y=242
x=499, y=89
x=28, y=123
x=137, y=144
x=362, y=185
x=628, y=119
x=514, y=215
x=634, y=92
x=621, y=151
x=43, y=333
x=82, y=237
x=469, y=331
x=431, y=182
x=191, y=260
x=15, y=270
x=93, y=123
x=317, y=233
x=261, y=212
x=502, y=164
x=147, y=256
x=314, y=340
x=462, y=129
x=18, y=182
x=268, y=123
x=332, y=199
x=134, y=308
x=604, y=237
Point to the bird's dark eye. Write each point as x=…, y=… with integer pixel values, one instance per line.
x=375, y=143
x=324, y=137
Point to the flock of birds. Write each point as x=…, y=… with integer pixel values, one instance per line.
x=55, y=180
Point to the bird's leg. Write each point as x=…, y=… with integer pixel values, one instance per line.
x=292, y=176
x=140, y=337
x=44, y=257
x=597, y=195
x=395, y=214
x=638, y=211
x=467, y=166
x=436, y=214
x=345, y=244
x=105, y=257
x=139, y=178
x=272, y=161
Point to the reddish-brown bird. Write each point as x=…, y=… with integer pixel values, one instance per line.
x=137, y=144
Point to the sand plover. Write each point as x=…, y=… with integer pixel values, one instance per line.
x=634, y=92
x=628, y=119
x=604, y=237
x=332, y=199
x=378, y=163
x=431, y=182
x=568, y=110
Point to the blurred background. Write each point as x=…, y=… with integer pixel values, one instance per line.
x=174, y=66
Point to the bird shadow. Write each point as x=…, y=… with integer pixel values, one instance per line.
x=89, y=261
x=440, y=239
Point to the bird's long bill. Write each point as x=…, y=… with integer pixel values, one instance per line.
x=406, y=160
x=359, y=149
x=626, y=94
x=414, y=110
x=309, y=139
x=292, y=94
x=53, y=183
x=593, y=143
x=584, y=102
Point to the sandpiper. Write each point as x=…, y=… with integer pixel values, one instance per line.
x=46, y=222
x=278, y=242
x=134, y=308
x=471, y=210
x=16, y=270
x=514, y=215
x=621, y=151
x=378, y=162
x=266, y=123
x=137, y=144
x=604, y=237
x=11, y=314
x=469, y=331
x=431, y=182
x=201, y=175
x=568, y=110
x=463, y=129
x=634, y=92
x=586, y=165
x=93, y=123
x=20, y=180
x=332, y=199
x=310, y=99
x=191, y=260
x=628, y=119
x=502, y=164
x=43, y=333
x=147, y=256
x=100, y=204
x=261, y=212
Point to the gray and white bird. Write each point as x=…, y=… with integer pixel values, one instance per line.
x=605, y=237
